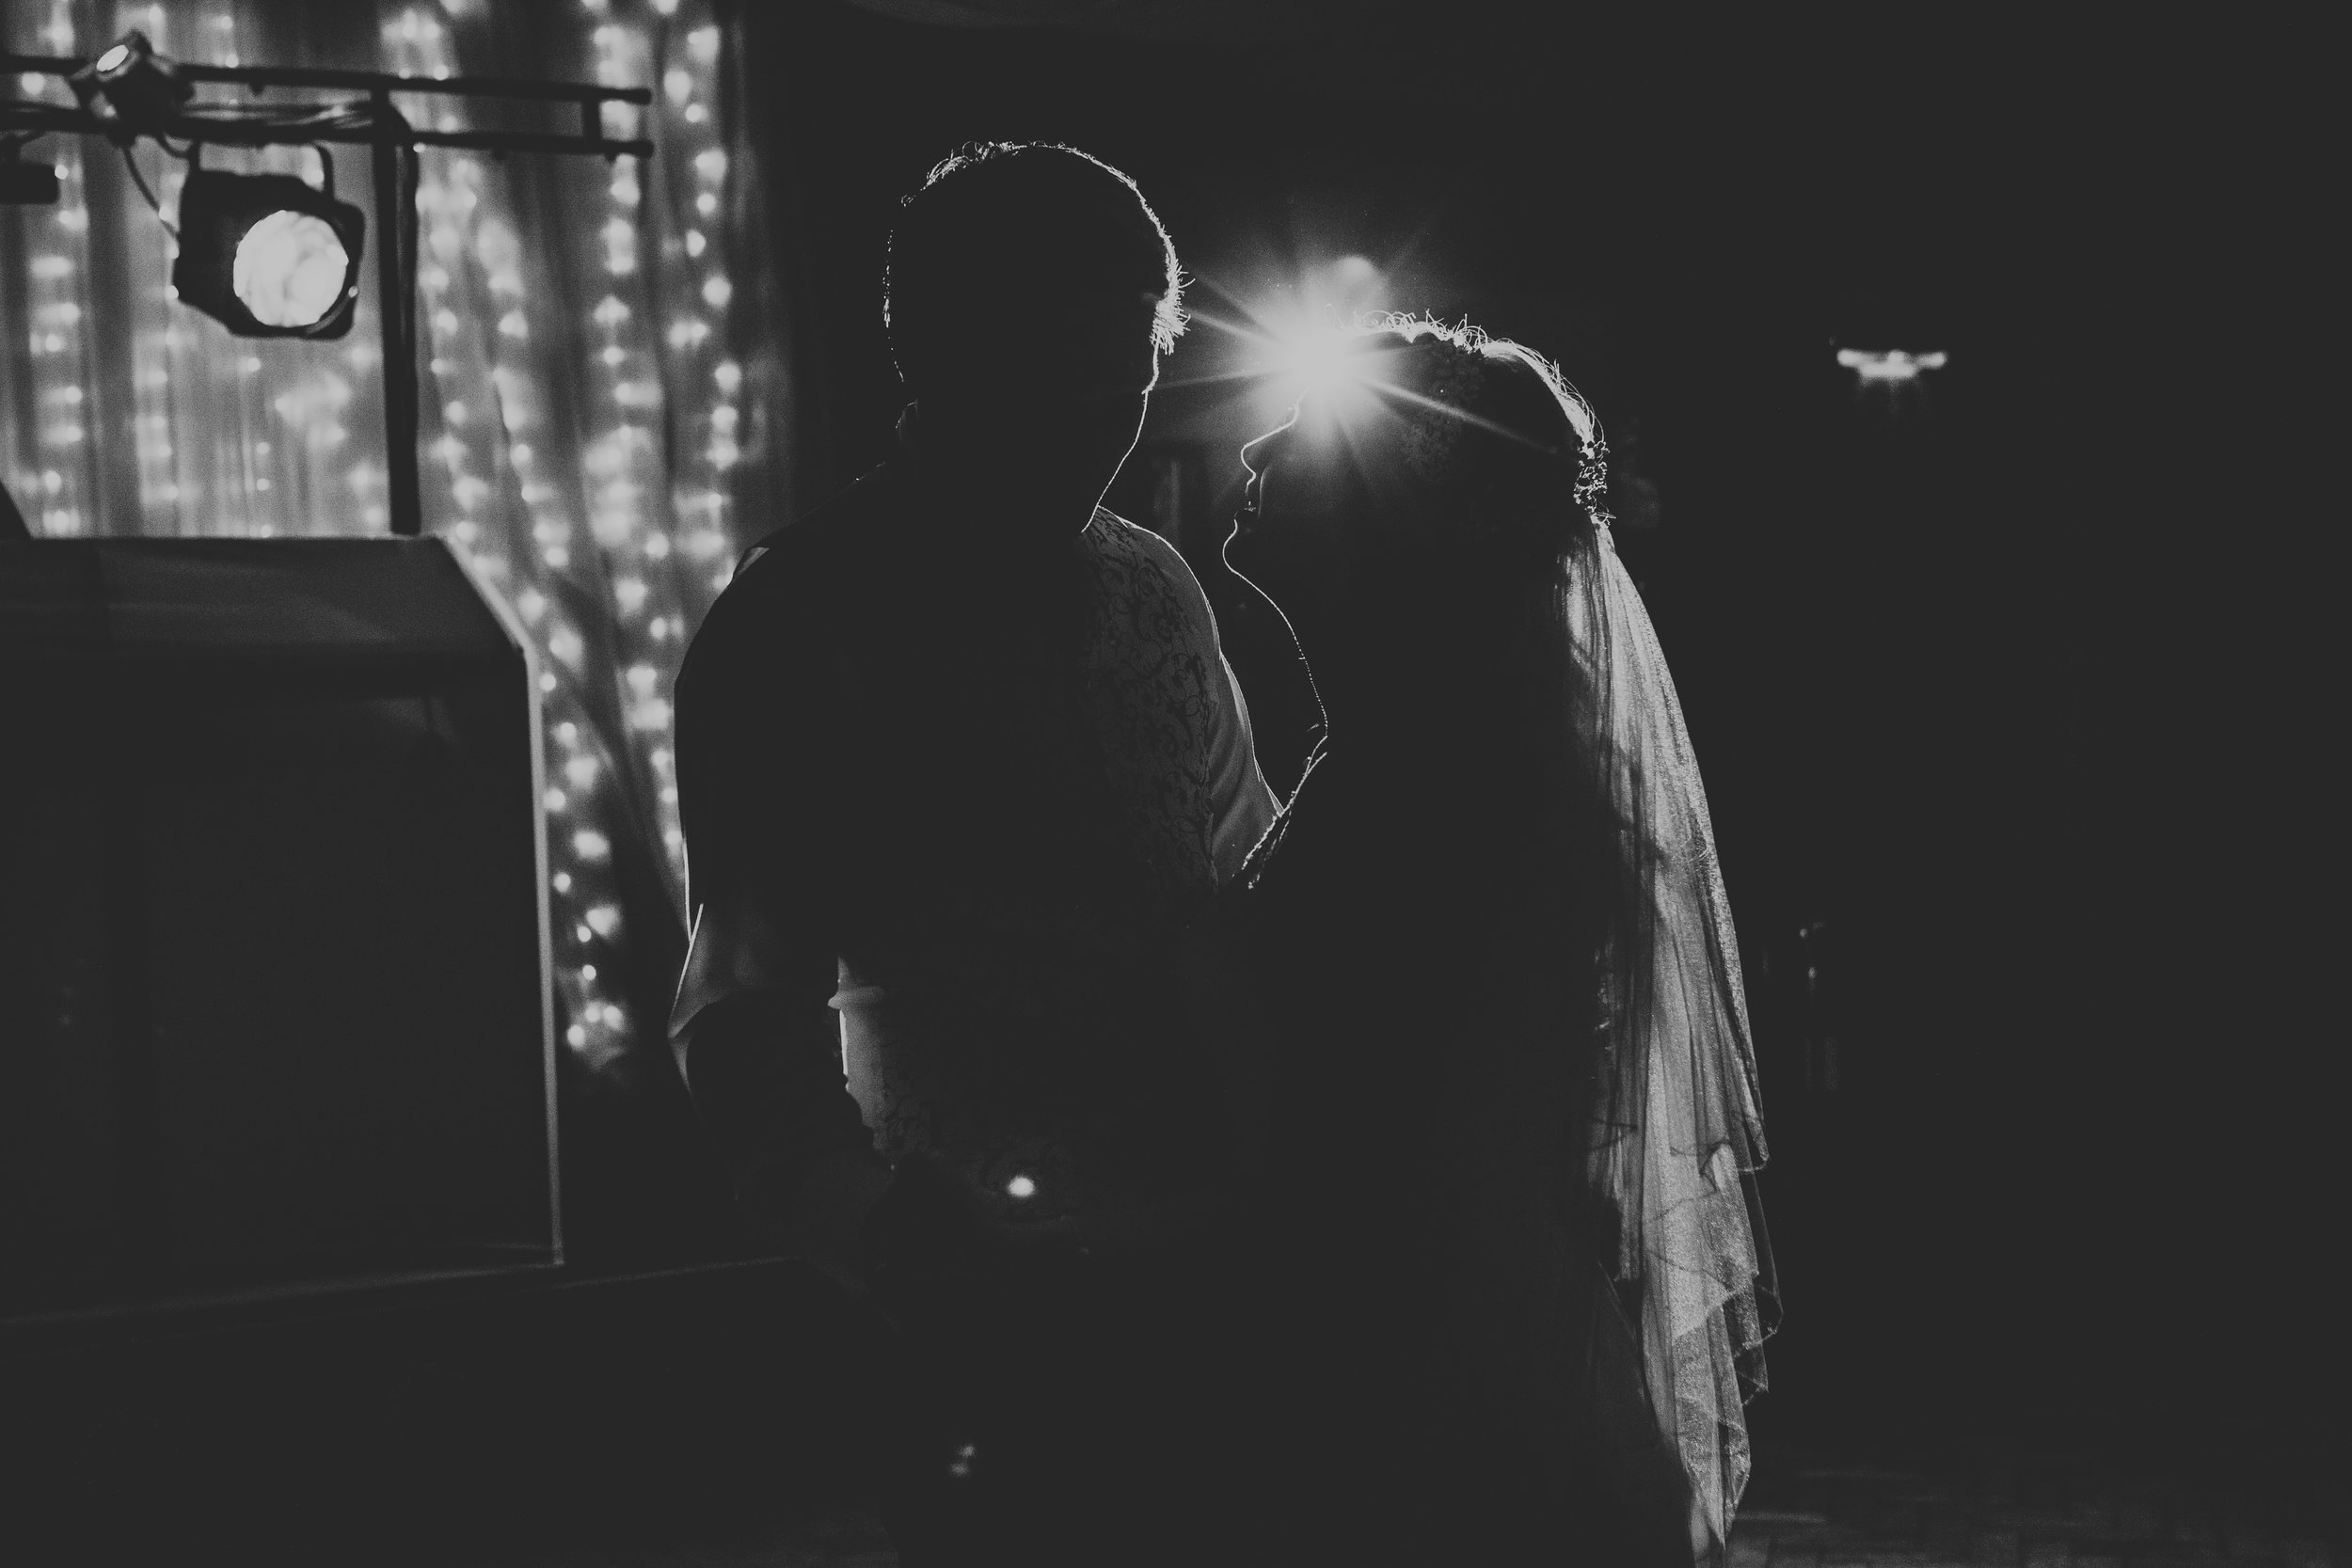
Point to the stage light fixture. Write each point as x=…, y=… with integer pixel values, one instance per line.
x=1892, y=366
x=268, y=255
x=132, y=84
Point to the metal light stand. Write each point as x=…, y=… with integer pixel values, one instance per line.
x=373, y=122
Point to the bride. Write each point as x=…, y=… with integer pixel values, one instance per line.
x=1526, y=1280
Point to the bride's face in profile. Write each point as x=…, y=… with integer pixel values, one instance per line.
x=1301, y=474
x=1333, y=468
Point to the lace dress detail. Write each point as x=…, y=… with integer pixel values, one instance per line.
x=1153, y=679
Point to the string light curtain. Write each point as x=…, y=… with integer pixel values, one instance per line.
x=581, y=375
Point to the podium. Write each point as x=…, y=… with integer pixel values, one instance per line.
x=274, y=1006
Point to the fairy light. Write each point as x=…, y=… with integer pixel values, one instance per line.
x=57, y=275
x=506, y=510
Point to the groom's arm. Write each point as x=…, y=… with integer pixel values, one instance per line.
x=754, y=1036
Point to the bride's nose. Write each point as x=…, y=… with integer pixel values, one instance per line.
x=1257, y=454
x=1258, y=458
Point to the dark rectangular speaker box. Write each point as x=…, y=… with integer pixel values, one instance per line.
x=274, y=1010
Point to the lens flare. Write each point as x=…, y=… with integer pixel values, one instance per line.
x=290, y=269
x=1317, y=360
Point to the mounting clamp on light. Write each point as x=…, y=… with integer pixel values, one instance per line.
x=131, y=88
x=269, y=255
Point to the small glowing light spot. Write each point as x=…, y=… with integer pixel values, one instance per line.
x=553, y=799
x=614, y=355
x=590, y=845
x=583, y=933
x=578, y=1036
x=562, y=881
x=718, y=291
x=678, y=84
x=1021, y=1186
x=706, y=204
x=587, y=972
x=728, y=374
x=581, y=771
x=604, y=920
x=695, y=242
x=547, y=683
x=1893, y=365
x=513, y=325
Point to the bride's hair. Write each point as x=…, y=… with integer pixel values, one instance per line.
x=1509, y=417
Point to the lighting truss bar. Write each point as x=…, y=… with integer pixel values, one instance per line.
x=19, y=119
x=260, y=76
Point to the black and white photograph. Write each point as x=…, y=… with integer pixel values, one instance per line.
x=1170, y=784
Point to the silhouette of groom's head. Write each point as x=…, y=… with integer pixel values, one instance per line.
x=1031, y=291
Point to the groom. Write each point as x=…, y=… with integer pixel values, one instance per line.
x=962, y=771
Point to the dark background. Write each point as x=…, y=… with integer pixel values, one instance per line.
x=2001, y=687
x=2008, y=692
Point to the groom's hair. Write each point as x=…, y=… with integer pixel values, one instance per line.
x=1001, y=227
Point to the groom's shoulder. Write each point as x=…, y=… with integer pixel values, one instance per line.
x=781, y=585
x=824, y=540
